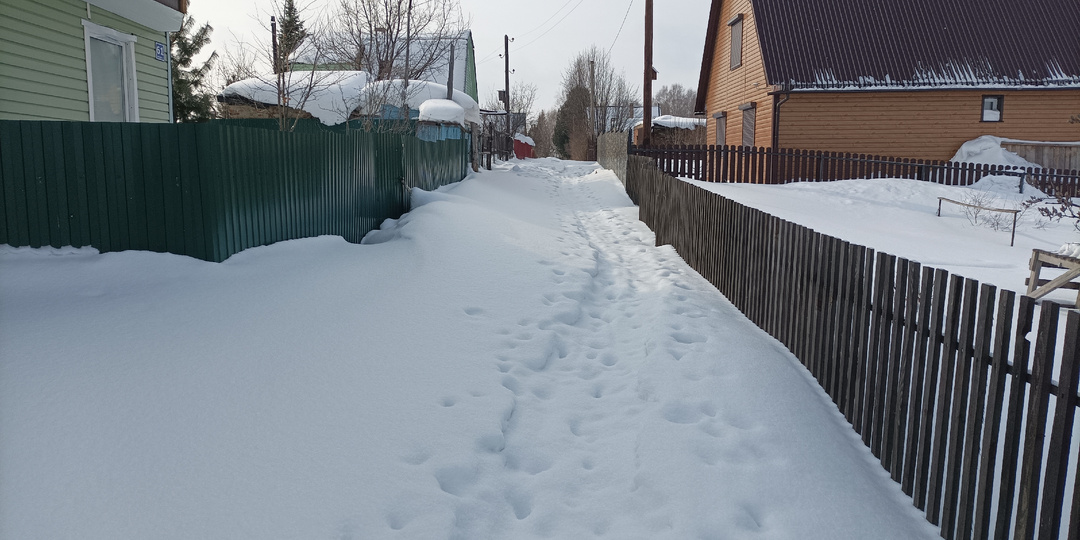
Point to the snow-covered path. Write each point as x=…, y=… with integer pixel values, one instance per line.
x=513, y=359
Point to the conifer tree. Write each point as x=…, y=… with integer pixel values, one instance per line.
x=291, y=33
x=190, y=102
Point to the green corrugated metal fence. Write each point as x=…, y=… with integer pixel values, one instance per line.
x=206, y=190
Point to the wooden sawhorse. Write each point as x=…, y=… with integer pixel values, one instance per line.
x=1038, y=288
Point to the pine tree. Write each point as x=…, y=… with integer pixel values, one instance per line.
x=190, y=102
x=291, y=33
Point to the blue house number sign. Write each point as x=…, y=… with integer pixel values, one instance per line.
x=159, y=51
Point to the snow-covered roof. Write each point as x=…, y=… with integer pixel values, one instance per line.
x=442, y=111
x=525, y=139
x=438, y=73
x=333, y=94
x=380, y=93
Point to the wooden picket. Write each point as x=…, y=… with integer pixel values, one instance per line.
x=932, y=369
x=757, y=165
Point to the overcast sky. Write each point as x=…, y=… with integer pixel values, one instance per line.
x=547, y=34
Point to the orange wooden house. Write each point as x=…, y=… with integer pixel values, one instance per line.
x=908, y=79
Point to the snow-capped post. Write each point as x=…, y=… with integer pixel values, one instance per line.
x=506, y=55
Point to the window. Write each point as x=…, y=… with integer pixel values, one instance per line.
x=736, y=41
x=991, y=108
x=110, y=74
x=749, y=122
x=721, y=128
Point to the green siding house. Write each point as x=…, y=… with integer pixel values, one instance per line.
x=96, y=60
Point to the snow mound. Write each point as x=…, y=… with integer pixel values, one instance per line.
x=1007, y=185
x=333, y=94
x=525, y=139
x=1072, y=249
x=987, y=149
x=442, y=111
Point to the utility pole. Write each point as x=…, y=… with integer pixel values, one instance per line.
x=592, y=108
x=506, y=56
x=646, y=116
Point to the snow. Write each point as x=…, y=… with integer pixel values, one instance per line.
x=1072, y=249
x=988, y=150
x=899, y=216
x=512, y=359
x=525, y=139
x=442, y=111
x=670, y=121
x=333, y=94
x=377, y=93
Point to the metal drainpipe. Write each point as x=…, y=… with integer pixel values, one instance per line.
x=168, y=56
x=777, y=102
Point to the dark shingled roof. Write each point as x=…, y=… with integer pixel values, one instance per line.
x=839, y=44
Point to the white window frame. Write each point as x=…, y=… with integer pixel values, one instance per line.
x=127, y=45
x=999, y=101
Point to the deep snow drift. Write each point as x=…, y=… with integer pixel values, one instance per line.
x=512, y=359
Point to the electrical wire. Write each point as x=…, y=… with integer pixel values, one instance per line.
x=556, y=25
x=552, y=28
x=617, y=34
x=537, y=27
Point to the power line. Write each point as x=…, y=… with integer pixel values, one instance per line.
x=617, y=34
x=537, y=27
x=552, y=28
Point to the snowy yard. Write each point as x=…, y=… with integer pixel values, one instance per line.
x=899, y=216
x=512, y=359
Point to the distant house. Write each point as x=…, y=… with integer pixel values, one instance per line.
x=96, y=60
x=464, y=62
x=668, y=130
x=910, y=79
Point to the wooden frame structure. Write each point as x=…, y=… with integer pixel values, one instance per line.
x=1038, y=288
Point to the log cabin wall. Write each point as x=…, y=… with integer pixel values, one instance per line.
x=731, y=88
x=922, y=124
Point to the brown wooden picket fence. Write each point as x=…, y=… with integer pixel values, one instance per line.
x=759, y=165
x=931, y=369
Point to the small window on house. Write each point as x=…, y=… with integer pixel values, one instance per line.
x=991, y=108
x=736, y=41
x=749, y=123
x=721, y=128
x=110, y=74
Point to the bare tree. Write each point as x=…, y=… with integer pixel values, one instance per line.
x=543, y=131
x=237, y=63
x=522, y=101
x=611, y=99
x=374, y=35
x=676, y=100
x=290, y=88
